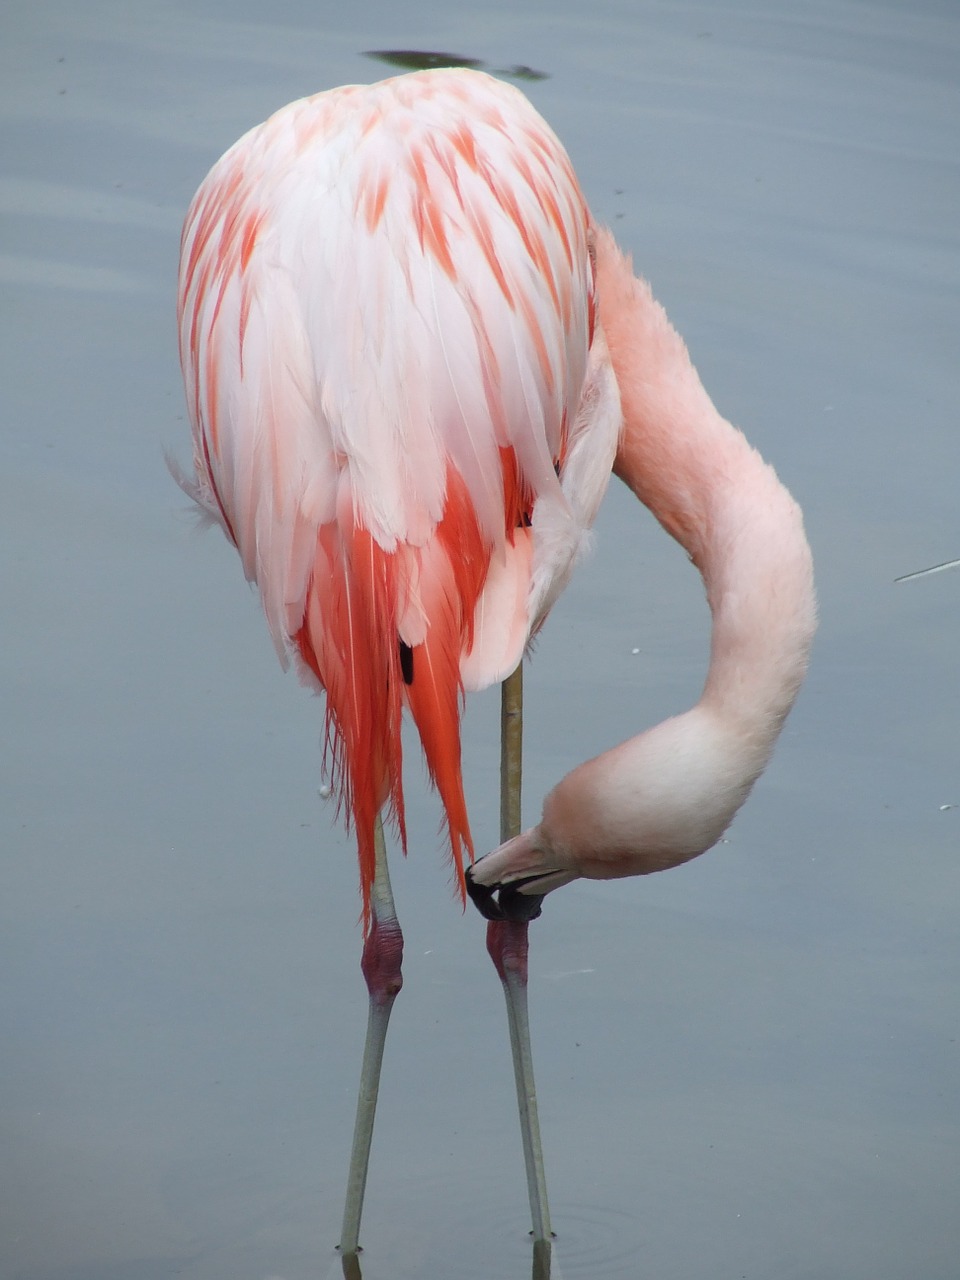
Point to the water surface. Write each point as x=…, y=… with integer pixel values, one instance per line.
x=747, y=1067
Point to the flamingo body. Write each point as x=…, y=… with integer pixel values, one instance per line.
x=404, y=415
x=411, y=361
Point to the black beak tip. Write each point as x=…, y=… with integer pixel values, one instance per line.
x=483, y=898
x=521, y=907
x=503, y=902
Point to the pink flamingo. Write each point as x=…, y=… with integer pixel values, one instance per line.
x=411, y=361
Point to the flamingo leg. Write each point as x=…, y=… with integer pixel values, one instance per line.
x=511, y=753
x=507, y=943
x=380, y=963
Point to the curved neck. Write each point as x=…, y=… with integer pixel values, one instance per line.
x=717, y=497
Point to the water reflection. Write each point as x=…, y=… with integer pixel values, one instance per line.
x=542, y=1257
x=351, y=1267
x=425, y=59
x=542, y=1262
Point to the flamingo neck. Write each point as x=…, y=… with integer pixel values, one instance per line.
x=668, y=794
x=717, y=497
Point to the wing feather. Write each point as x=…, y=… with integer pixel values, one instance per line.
x=386, y=312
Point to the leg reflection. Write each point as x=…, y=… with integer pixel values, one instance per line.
x=542, y=1251
x=542, y=1256
x=351, y=1267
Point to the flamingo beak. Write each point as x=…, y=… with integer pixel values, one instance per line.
x=505, y=901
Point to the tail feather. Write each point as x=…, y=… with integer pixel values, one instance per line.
x=435, y=698
x=453, y=569
x=347, y=641
x=351, y=640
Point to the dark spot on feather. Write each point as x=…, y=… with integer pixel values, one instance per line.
x=406, y=662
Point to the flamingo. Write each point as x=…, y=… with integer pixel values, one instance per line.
x=412, y=360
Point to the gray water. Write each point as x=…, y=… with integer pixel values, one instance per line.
x=748, y=1067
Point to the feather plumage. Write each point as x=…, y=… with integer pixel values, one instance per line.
x=386, y=317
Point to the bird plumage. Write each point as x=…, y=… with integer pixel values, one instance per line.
x=403, y=414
